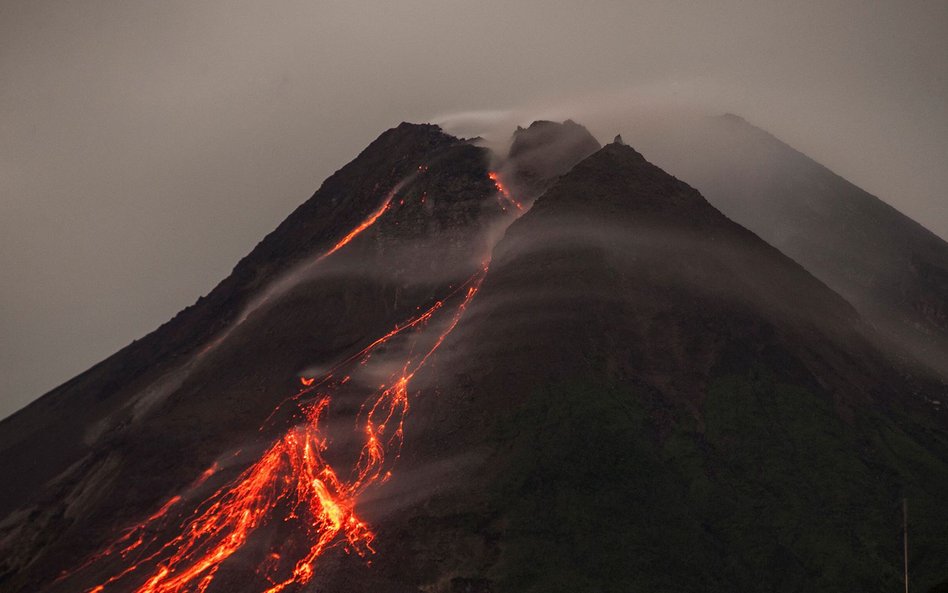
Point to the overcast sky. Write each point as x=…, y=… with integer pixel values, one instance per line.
x=146, y=146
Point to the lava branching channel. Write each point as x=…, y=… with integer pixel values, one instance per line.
x=291, y=486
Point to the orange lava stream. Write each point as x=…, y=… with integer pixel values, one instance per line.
x=503, y=190
x=138, y=537
x=292, y=481
x=362, y=226
x=293, y=478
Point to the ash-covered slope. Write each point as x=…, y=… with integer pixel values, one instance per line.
x=656, y=400
x=891, y=268
x=404, y=222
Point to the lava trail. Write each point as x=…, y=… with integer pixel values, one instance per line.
x=290, y=278
x=504, y=192
x=292, y=485
x=363, y=225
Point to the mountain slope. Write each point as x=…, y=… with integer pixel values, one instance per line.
x=891, y=268
x=345, y=199
x=105, y=449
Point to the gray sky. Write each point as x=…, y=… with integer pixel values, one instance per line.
x=146, y=146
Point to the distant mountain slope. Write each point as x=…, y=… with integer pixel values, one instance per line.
x=891, y=268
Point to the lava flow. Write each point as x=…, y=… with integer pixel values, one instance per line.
x=292, y=485
x=503, y=191
x=363, y=225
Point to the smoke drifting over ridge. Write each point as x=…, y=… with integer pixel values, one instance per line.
x=149, y=147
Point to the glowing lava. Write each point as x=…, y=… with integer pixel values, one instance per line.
x=362, y=226
x=503, y=191
x=292, y=485
x=292, y=481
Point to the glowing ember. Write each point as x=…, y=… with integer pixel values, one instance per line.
x=291, y=484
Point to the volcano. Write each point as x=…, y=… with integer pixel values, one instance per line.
x=559, y=369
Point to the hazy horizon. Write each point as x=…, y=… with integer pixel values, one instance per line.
x=147, y=147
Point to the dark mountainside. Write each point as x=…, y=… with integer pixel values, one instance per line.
x=643, y=396
x=663, y=402
x=891, y=268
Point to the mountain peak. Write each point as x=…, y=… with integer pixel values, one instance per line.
x=410, y=137
x=732, y=117
x=619, y=179
x=544, y=151
x=541, y=134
